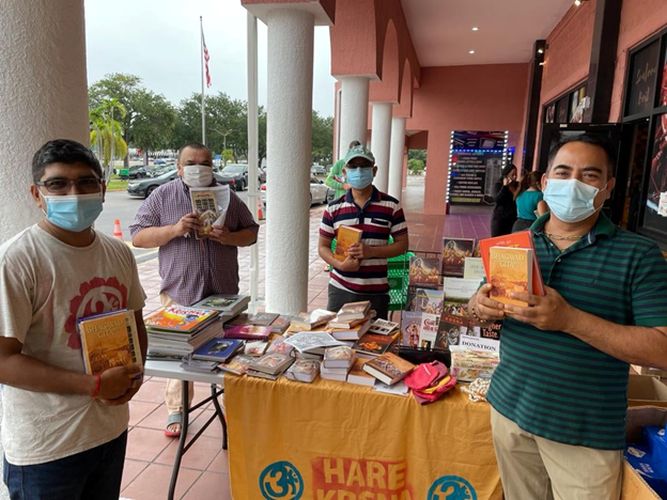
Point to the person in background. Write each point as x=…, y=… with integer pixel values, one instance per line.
x=363, y=274
x=191, y=269
x=559, y=393
x=528, y=206
x=336, y=178
x=64, y=432
x=504, y=213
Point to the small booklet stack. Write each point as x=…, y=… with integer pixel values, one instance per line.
x=177, y=330
x=337, y=362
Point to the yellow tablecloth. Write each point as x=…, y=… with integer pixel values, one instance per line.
x=333, y=440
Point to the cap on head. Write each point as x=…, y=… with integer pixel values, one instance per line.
x=359, y=152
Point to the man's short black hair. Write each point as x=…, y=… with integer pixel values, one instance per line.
x=63, y=151
x=193, y=145
x=593, y=139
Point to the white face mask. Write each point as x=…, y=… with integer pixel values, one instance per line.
x=197, y=175
x=571, y=200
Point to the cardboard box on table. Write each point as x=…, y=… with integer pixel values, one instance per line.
x=642, y=391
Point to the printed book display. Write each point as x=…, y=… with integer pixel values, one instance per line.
x=383, y=327
x=310, y=341
x=303, y=370
x=312, y=320
x=210, y=204
x=521, y=239
x=388, y=368
x=217, y=349
x=428, y=330
x=278, y=345
x=353, y=311
x=340, y=356
x=410, y=327
x=424, y=272
x=346, y=236
x=454, y=253
x=232, y=304
x=238, y=365
x=374, y=344
x=272, y=363
x=179, y=318
x=247, y=332
x=358, y=376
x=427, y=301
x=109, y=340
x=255, y=348
x=510, y=270
x=352, y=333
x=280, y=324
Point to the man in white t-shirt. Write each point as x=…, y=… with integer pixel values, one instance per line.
x=64, y=432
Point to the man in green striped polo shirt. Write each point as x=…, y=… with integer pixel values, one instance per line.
x=559, y=394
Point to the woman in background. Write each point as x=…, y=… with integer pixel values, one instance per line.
x=504, y=213
x=528, y=206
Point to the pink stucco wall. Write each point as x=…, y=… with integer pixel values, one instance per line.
x=488, y=97
x=640, y=19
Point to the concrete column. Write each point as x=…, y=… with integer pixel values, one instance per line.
x=43, y=94
x=353, y=112
x=396, y=157
x=380, y=136
x=289, y=129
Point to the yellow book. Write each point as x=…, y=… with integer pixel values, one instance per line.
x=345, y=238
x=109, y=340
x=510, y=271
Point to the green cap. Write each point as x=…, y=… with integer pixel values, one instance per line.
x=359, y=152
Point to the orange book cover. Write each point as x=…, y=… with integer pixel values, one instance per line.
x=179, y=318
x=109, y=340
x=346, y=236
x=521, y=239
x=510, y=270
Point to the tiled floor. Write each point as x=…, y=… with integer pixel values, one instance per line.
x=204, y=472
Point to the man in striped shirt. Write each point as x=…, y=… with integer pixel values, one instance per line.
x=363, y=273
x=191, y=269
x=559, y=393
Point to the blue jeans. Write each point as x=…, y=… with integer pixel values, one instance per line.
x=94, y=473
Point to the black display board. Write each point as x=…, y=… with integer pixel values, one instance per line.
x=642, y=79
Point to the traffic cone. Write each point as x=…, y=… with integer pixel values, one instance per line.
x=117, y=231
x=260, y=210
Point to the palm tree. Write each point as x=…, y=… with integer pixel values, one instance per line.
x=106, y=132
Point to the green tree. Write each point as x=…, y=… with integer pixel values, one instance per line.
x=415, y=166
x=152, y=127
x=227, y=156
x=322, y=140
x=106, y=132
x=417, y=154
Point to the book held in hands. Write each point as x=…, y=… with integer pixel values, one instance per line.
x=210, y=204
x=346, y=236
x=510, y=271
x=109, y=340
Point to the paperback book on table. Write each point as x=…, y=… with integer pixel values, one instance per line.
x=218, y=349
x=182, y=319
x=311, y=320
x=230, y=304
x=388, y=368
x=373, y=344
x=247, y=332
x=109, y=340
x=303, y=370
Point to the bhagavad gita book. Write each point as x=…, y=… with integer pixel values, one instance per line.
x=346, y=236
x=205, y=206
x=109, y=340
x=510, y=270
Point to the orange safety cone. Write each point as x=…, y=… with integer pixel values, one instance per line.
x=117, y=231
x=260, y=210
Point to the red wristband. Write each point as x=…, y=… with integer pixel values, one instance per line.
x=98, y=386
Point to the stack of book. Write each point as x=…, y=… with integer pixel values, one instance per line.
x=352, y=321
x=311, y=321
x=270, y=365
x=388, y=368
x=227, y=305
x=178, y=330
x=337, y=362
x=303, y=370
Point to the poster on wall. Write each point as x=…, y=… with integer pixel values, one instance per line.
x=642, y=80
x=476, y=159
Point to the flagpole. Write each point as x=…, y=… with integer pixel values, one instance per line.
x=203, y=105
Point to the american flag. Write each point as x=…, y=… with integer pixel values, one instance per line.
x=206, y=59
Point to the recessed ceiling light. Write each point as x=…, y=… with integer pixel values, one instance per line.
x=475, y=28
x=471, y=52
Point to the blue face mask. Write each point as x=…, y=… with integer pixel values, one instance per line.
x=570, y=200
x=359, y=178
x=74, y=212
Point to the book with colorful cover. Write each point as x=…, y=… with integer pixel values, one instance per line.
x=247, y=332
x=280, y=324
x=456, y=312
x=340, y=356
x=346, y=236
x=312, y=341
x=177, y=318
x=218, y=349
x=428, y=330
x=210, y=204
x=303, y=370
x=374, y=344
x=272, y=363
x=454, y=253
x=410, y=327
x=109, y=340
x=232, y=304
x=278, y=345
x=352, y=333
x=510, y=270
x=388, y=368
x=383, y=326
x=424, y=272
x=449, y=334
x=255, y=348
x=520, y=239
x=353, y=311
x=238, y=365
x=427, y=300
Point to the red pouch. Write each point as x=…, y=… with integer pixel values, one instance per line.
x=425, y=375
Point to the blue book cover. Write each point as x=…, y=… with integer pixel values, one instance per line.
x=218, y=349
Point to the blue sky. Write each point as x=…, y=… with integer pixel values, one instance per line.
x=159, y=42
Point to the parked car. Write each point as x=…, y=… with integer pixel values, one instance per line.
x=238, y=172
x=144, y=187
x=318, y=169
x=138, y=172
x=319, y=192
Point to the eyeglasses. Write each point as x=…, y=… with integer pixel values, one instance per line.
x=61, y=185
x=358, y=165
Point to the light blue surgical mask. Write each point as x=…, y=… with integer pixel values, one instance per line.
x=571, y=200
x=360, y=177
x=74, y=212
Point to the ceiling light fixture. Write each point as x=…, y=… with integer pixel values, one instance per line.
x=577, y=3
x=471, y=52
x=475, y=28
